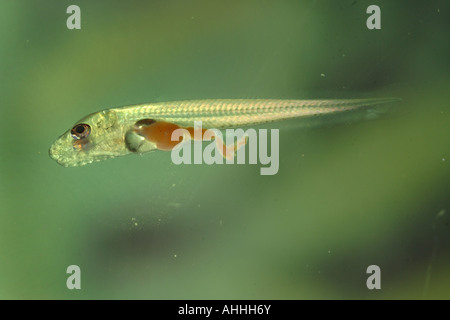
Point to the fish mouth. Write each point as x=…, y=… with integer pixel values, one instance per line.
x=67, y=161
x=68, y=157
x=62, y=154
x=56, y=154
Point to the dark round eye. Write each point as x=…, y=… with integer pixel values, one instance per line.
x=80, y=131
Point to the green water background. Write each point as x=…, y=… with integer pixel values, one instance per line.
x=345, y=197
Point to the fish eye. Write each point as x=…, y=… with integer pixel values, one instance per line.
x=80, y=131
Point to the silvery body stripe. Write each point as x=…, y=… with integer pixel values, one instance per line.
x=229, y=113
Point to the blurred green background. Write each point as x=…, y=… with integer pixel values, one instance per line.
x=345, y=197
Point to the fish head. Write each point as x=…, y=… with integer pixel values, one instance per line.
x=96, y=137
